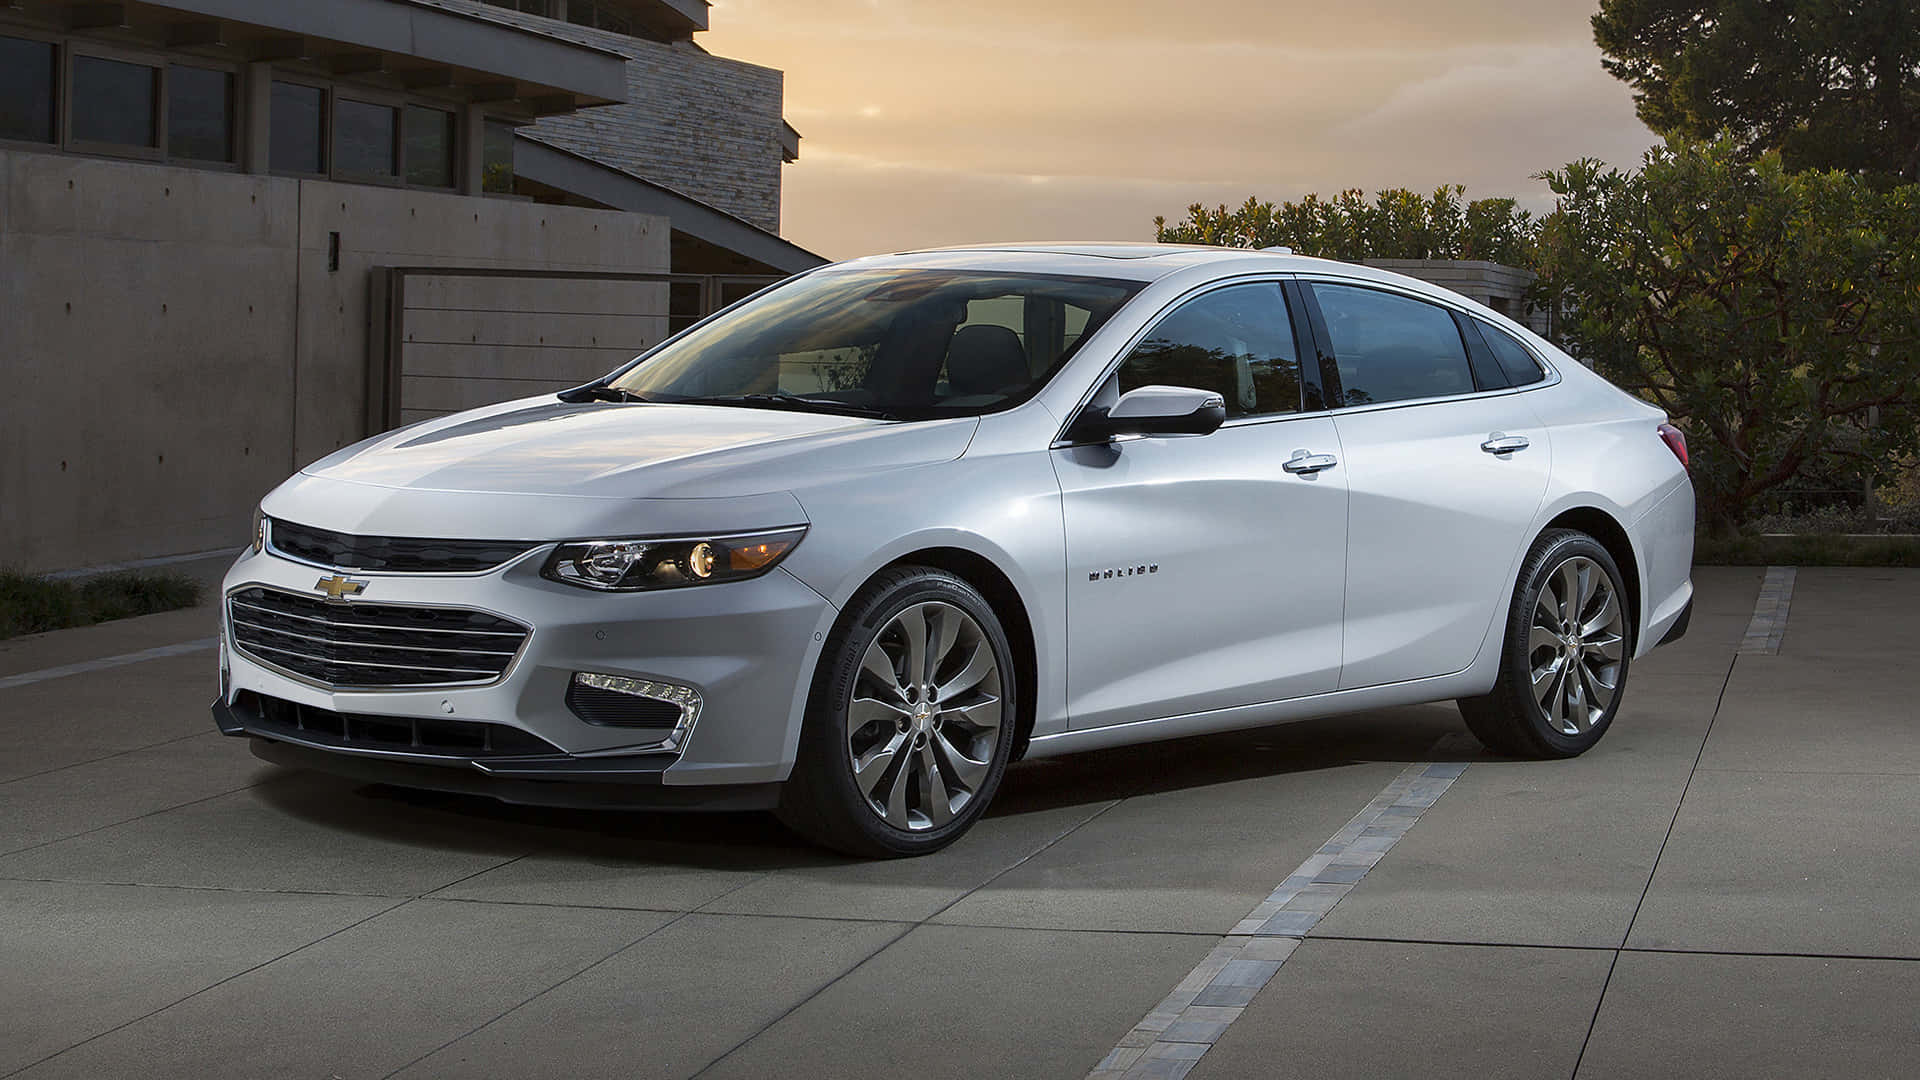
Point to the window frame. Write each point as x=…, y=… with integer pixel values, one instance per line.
x=326, y=123
x=380, y=100
x=453, y=144
x=1324, y=344
x=60, y=91
x=1304, y=346
x=77, y=50
x=237, y=120
x=1287, y=309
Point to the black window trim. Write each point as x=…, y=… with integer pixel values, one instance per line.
x=1324, y=343
x=1480, y=325
x=1282, y=280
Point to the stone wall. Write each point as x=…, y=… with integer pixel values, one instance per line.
x=177, y=341
x=703, y=125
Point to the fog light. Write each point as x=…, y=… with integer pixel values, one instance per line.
x=622, y=701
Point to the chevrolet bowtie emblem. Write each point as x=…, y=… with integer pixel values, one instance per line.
x=339, y=588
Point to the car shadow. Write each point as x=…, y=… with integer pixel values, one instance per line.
x=757, y=841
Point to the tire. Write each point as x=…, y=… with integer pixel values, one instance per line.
x=883, y=769
x=1535, y=710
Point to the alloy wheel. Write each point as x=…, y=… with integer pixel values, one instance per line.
x=1576, y=645
x=923, y=720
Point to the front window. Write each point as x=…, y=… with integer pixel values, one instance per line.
x=912, y=344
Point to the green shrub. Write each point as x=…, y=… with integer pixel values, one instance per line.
x=32, y=605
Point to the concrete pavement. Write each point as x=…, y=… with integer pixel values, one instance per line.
x=1723, y=887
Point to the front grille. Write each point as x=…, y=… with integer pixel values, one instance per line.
x=414, y=735
x=356, y=644
x=399, y=554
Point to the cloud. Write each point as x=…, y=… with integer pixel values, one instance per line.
x=931, y=122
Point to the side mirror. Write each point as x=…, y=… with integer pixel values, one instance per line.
x=1154, y=410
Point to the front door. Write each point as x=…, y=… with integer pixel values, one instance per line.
x=1203, y=573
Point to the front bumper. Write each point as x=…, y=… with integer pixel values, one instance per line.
x=748, y=647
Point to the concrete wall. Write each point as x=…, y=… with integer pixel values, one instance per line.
x=174, y=342
x=700, y=124
x=468, y=341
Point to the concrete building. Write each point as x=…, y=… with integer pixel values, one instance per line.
x=236, y=235
x=1500, y=287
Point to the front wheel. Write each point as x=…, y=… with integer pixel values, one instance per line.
x=910, y=720
x=1563, y=669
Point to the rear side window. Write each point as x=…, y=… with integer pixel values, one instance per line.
x=1391, y=348
x=1515, y=360
x=1236, y=341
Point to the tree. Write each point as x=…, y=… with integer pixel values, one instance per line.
x=1398, y=224
x=1831, y=84
x=1771, y=313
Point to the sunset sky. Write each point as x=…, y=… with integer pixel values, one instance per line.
x=935, y=121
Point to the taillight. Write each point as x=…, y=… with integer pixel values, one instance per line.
x=1676, y=441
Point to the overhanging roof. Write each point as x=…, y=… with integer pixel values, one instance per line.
x=546, y=164
x=437, y=35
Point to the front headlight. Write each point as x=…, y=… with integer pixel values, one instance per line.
x=633, y=565
x=259, y=530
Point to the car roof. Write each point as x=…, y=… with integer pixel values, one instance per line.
x=1133, y=261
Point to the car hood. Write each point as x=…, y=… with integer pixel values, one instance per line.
x=542, y=446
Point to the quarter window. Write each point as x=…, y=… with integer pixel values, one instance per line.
x=26, y=90
x=1236, y=341
x=1515, y=360
x=298, y=114
x=200, y=113
x=1391, y=348
x=114, y=102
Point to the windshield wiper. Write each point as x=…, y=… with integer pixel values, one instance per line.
x=785, y=400
x=600, y=392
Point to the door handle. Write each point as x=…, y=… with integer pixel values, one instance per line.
x=1502, y=443
x=1304, y=462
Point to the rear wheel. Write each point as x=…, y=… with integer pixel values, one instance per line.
x=909, y=725
x=1563, y=671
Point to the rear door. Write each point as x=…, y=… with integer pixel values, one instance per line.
x=1202, y=572
x=1446, y=466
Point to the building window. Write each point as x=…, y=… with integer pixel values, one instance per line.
x=496, y=165
x=429, y=146
x=599, y=16
x=114, y=102
x=200, y=113
x=299, y=129
x=26, y=89
x=531, y=7
x=363, y=140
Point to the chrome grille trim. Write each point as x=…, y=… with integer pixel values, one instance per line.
x=371, y=646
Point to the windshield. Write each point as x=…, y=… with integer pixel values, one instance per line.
x=903, y=344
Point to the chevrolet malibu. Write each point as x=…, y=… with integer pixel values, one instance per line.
x=847, y=549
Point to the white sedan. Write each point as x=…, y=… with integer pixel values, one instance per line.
x=848, y=548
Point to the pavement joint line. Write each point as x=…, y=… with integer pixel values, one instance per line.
x=897, y=938
x=142, y=564
x=1769, y=624
x=208, y=987
x=504, y=1013
x=108, y=757
x=1678, y=807
x=83, y=667
x=268, y=779
x=1172, y=1038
